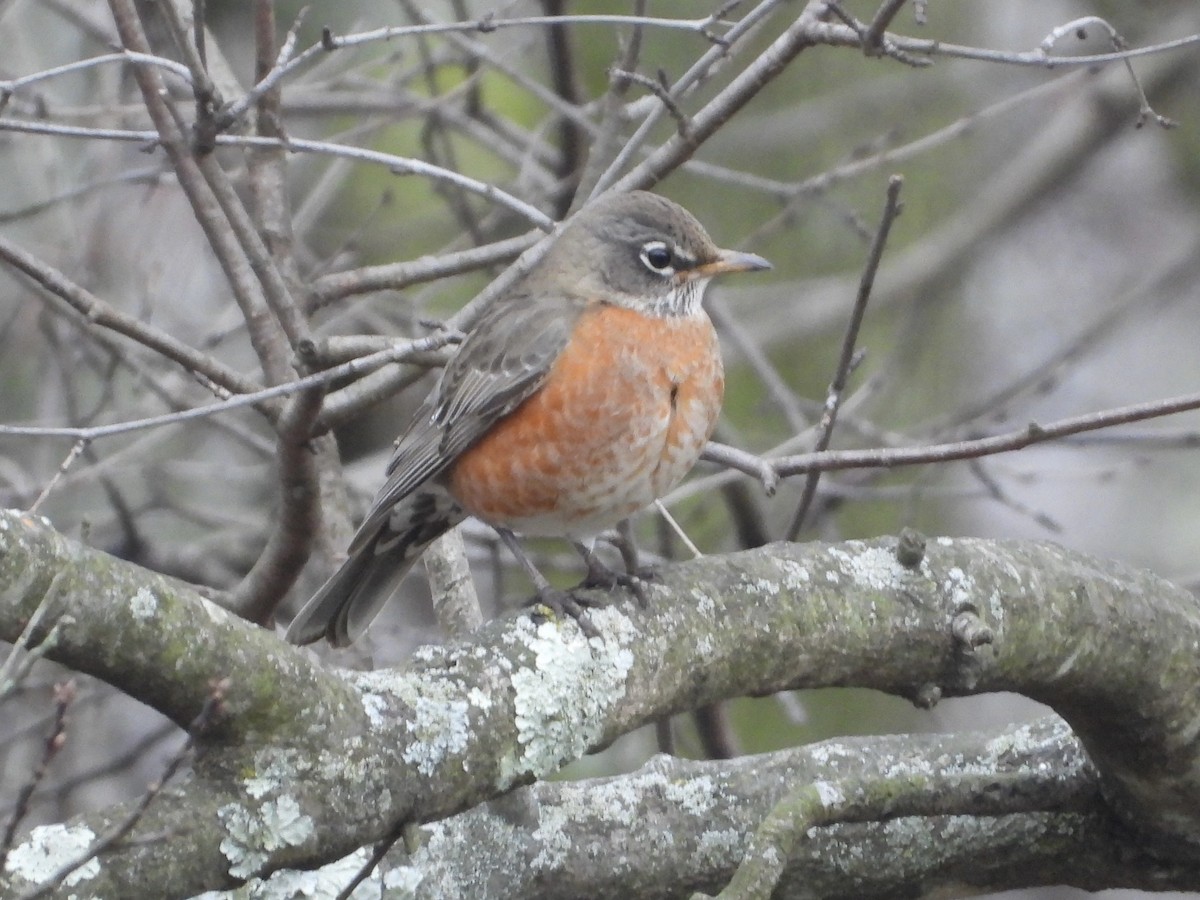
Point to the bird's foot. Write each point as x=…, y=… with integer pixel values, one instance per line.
x=566, y=603
x=601, y=576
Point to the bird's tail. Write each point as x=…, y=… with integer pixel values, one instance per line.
x=348, y=602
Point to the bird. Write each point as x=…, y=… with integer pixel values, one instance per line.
x=581, y=395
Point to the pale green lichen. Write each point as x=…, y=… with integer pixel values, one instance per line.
x=325, y=883
x=275, y=769
x=552, y=837
x=796, y=576
x=695, y=796
x=253, y=834
x=48, y=849
x=439, y=728
x=829, y=794
x=376, y=708
x=716, y=846
x=438, y=715
x=402, y=882
x=143, y=605
x=561, y=700
x=874, y=568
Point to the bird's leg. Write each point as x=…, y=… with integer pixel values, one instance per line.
x=600, y=575
x=562, y=602
x=628, y=549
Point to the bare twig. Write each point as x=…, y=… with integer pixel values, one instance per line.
x=12, y=669
x=211, y=710
x=1079, y=27
x=832, y=460
x=997, y=492
x=394, y=276
x=784, y=398
x=267, y=82
x=64, y=696
x=297, y=520
x=76, y=450
x=13, y=86
x=96, y=311
x=572, y=137
x=191, y=45
x=873, y=35
x=354, y=367
x=197, y=186
x=611, y=118
x=660, y=88
x=1035, y=58
x=378, y=852
x=875, y=42
x=489, y=24
x=674, y=525
x=640, y=176
x=833, y=398
x=809, y=807
x=733, y=458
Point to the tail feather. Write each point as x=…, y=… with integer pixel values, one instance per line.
x=349, y=601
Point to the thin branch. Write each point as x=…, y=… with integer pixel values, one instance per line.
x=692, y=76
x=400, y=165
x=874, y=45
x=98, y=312
x=610, y=105
x=267, y=341
x=212, y=709
x=873, y=35
x=1034, y=58
x=64, y=696
x=755, y=356
x=996, y=491
x=296, y=521
x=833, y=460
x=394, y=276
x=190, y=45
x=488, y=24
x=8, y=88
x=13, y=670
x=846, y=361
x=572, y=137
x=269, y=81
x=398, y=353
x=77, y=450
x=1078, y=27
x=378, y=852
x=733, y=458
x=661, y=89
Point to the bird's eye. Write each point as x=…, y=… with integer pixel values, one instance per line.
x=658, y=257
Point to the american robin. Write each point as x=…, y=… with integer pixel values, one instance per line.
x=581, y=395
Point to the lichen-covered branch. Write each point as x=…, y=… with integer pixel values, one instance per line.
x=676, y=826
x=309, y=763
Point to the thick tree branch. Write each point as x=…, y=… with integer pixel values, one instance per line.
x=1112, y=649
x=709, y=807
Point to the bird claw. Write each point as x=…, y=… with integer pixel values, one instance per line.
x=601, y=577
x=567, y=603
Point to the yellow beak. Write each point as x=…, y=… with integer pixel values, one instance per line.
x=727, y=261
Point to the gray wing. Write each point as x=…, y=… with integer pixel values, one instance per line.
x=503, y=361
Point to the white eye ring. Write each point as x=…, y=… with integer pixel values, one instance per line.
x=658, y=258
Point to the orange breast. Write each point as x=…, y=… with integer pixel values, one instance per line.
x=622, y=417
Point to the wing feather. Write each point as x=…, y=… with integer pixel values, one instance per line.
x=503, y=361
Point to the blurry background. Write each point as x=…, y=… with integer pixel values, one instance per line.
x=1045, y=265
